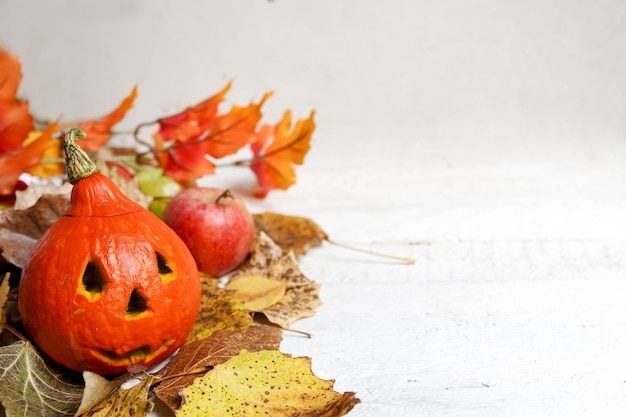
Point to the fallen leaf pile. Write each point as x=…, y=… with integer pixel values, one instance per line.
x=231, y=363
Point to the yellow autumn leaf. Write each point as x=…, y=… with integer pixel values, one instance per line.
x=257, y=293
x=131, y=401
x=52, y=152
x=265, y=383
x=218, y=310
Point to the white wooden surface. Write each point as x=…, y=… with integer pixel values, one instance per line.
x=515, y=305
x=485, y=139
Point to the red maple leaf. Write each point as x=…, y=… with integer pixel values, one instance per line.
x=277, y=148
x=185, y=140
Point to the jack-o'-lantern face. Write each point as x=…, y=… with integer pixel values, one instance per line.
x=109, y=293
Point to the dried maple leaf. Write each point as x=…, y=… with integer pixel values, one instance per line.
x=261, y=384
x=294, y=233
x=98, y=132
x=30, y=386
x=20, y=229
x=268, y=260
x=277, y=148
x=200, y=355
x=15, y=119
x=14, y=163
x=218, y=310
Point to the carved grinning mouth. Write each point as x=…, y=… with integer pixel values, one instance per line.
x=141, y=354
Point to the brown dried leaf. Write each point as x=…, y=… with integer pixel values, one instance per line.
x=4, y=296
x=28, y=197
x=20, y=229
x=200, y=355
x=295, y=233
x=218, y=310
x=268, y=260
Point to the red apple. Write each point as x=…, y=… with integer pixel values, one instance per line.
x=214, y=224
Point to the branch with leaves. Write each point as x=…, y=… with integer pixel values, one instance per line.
x=186, y=146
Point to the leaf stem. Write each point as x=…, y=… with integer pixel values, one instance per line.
x=369, y=252
x=15, y=333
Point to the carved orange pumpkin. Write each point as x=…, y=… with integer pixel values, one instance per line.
x=109, y=286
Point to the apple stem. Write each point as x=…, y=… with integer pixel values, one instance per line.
x=369, y=252
x=227, y=193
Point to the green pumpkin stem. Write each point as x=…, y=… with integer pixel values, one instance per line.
x=79, y=165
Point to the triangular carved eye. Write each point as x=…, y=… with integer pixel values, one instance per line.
x=166, y=273
x=137, y=303
x=93, y=281
x=162, y=263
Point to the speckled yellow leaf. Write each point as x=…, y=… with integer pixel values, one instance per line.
x=218, y=310
x=97, y=389
x=265, y=383
x=257, y=293
x=125, y=402
x=268, y=260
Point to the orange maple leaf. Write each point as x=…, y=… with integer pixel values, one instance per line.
x=14, y=163
x=277, y=148
x=15, y=119
x=99, y=131
x=185, y=140
x=231, y=131
x=177, y=148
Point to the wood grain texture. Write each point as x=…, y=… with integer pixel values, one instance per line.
x=515, y=304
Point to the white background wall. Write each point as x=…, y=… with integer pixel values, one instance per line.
x=489, y=71
x=485, y=139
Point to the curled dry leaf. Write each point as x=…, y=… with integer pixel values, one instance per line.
x=264, y=383
x=97, y=389
x=197, y=357
x=30, y=386
x=269, y=261
x=125, y=402
x=28, y=197
x=294, y=233
x=20, y=229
